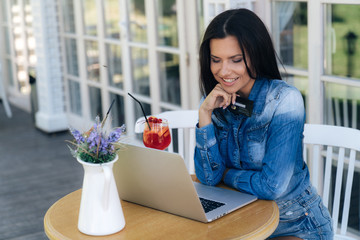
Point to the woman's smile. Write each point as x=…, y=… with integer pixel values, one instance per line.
x=230, y=80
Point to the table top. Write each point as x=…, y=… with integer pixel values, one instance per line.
x=255, y=221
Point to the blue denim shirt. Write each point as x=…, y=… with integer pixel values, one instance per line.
x=264, y=151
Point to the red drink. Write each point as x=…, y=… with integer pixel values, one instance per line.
x=159, y=135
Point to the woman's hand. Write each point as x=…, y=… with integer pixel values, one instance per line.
x=217, y=98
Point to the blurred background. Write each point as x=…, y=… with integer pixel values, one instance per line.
x=62, y=62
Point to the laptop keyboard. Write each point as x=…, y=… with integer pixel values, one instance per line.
x=210, y=205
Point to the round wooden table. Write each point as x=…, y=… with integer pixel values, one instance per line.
x=257, y=220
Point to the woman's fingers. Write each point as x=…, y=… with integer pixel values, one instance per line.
x=226, y=98
x=219, y=98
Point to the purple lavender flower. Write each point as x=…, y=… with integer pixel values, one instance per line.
x=77, y=135
x=104, y=144
x=115, y=135
x=112, y=148
x=93, y=139
x=96, y=145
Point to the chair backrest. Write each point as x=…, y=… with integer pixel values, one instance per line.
x=184, y=121
x=327, y=147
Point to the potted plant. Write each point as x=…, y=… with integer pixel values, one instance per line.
x=96, y=149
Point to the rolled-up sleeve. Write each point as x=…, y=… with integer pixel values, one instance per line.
x=209, y=165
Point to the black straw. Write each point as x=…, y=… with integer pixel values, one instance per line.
x=142, y=109
x=112, y=103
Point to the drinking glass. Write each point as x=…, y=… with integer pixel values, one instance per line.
x=158, y=135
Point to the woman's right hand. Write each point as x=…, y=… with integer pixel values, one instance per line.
x=217, y=98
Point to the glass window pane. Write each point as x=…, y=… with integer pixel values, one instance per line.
x=32, y=54
x=17, y=31
x=138, y=111
x=118, y=110
x=140, y=71
x=114, y=66
x=342, y=49
x=112, y=19
x=14, y=5
x=220, y=7
x=71, y=57
x=138, y=22
x=23, y=78
x=28, y=16
x=30, y=39
x=342, y=105
x=169, y=78
x=290, y=33
x=201, y=23
x=167, y=23
x=90, y=17
x=75, y=98
x=95, y=102
x=19, y=46
x=68, y=16
x=4, y=11
x=92, y=61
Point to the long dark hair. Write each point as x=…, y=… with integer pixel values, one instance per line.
x=254, y=40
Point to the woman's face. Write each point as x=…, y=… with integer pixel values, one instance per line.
x=228, y=66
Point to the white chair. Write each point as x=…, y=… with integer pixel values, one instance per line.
x=184, y=121
x=333, y=146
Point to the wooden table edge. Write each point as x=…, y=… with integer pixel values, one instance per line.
x=270, y=226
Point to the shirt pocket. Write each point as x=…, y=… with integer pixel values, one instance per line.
x=256, y=140
x=222, y=138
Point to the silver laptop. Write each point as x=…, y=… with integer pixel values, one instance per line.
x=160, y=180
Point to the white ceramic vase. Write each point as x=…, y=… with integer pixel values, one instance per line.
x=100, y=208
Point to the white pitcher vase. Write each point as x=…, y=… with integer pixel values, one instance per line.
x=100, y=208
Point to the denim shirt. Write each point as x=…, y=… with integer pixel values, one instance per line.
x=263, y=152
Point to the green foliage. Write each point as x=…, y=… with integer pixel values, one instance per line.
x=103, y=158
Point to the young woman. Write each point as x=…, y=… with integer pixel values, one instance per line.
x=259, y=151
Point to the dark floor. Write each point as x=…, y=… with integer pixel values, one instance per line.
x=36, y=169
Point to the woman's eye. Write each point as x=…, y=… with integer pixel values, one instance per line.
x=237, y=60
x=215, y=60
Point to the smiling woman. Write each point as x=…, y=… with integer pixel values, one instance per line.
x=260, y=152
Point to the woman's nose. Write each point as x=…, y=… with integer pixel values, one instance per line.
x=224, y=70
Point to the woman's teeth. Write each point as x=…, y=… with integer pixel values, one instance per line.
x=229, y=80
